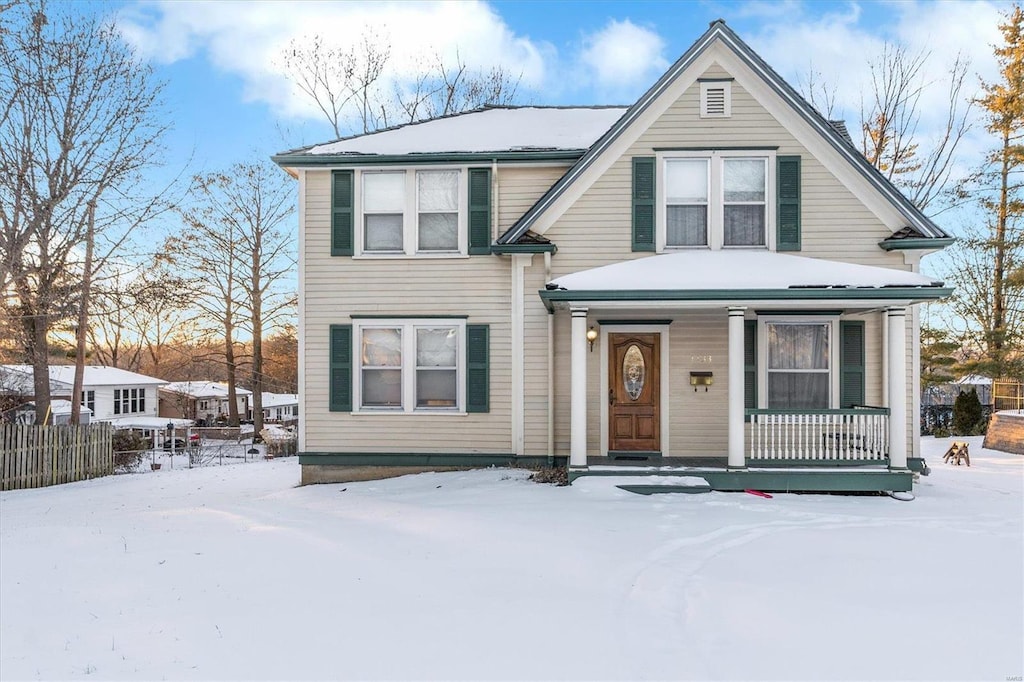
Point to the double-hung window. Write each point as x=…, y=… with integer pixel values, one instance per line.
x=129, y=400
x=716, y=199
x=411, y=366
x=89, y=400
x=412, y=212
x=799, y=365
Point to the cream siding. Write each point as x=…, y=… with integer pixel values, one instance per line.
x=519, y=188
x=338, y=287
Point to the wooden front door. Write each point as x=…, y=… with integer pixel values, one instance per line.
x=634, y=393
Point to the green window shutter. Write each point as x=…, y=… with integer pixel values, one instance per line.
x=479, y=211
x=851, y=363
x=750, y=364
x=787, y=215
x=478, y=380
x=340, y=368
x=643, y=203
x=342, y=217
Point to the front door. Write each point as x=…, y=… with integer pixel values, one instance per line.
x=634, y=379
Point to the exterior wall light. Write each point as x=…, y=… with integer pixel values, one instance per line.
x=591, y=337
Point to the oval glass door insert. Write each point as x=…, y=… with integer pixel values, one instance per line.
x=633, y=372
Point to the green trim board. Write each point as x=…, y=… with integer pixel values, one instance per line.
x=848, y=410
x=722, y=148
x=347, y=161
x=911, y=243
x=551, y=296
x=420, y=459
x=636, y=322
x=405, y=316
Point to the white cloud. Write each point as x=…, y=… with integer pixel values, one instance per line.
x=248, y=38
x=623, y=55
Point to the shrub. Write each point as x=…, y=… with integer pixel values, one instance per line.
x=967, y=414
x=554, y=475
x=129, y=447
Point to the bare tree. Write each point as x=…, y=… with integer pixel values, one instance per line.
x=78, y=126
x=890, y=119
x=350, y=86
x=891, y=116
x=240, y=219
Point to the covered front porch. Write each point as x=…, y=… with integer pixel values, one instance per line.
x=815, y=356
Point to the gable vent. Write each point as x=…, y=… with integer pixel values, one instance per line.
x=715, y=99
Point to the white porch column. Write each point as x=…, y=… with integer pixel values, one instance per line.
x=737, y=459
x=578, y=390
x=897, y=318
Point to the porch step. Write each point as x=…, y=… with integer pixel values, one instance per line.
x=651, y=480
x=655, y=489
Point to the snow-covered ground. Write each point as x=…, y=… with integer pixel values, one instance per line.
x=233, y=572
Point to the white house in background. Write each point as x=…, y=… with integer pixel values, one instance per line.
x=201, y=400
x=712, y=280
x=280, y=407
x=59, y=409
x=111, y=394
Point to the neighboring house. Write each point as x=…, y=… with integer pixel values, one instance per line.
x=60, y=411
x=111, y=394
x=713, y=276
x=205, y=401
x=945, y=394
x=280, y=407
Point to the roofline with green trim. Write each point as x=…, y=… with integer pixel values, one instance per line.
x=719, y=30
x=911, y=243
x=342, y=161
x=552, y=296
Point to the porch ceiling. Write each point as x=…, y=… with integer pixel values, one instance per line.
x=735, y=276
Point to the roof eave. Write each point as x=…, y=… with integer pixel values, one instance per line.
x=912, y=244
x=895, y=293
x=348, y=160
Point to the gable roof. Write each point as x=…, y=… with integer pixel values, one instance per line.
x=204, y=389
x=510, y=131
x=62, y=377
x=718, y=31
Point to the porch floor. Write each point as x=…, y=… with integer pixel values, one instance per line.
x=779, y=476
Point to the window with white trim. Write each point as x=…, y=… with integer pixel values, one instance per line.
x=89, y=400
x=414, y=212
x=129, y=400
x=410, y=365
x=716, y=200
x=800, y=362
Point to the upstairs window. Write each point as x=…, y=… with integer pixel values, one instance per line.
x=716, y=199
x=413, y=212
x=129, y=400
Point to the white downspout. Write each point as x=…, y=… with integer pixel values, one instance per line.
x=551, y=368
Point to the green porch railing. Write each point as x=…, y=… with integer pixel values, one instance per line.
x=859, y=434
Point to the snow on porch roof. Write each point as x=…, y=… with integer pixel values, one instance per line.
x=492, y=129
x=728, y=270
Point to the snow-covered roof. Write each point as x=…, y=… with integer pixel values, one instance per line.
x=56, y=407
x=280, y=399
x=203, y=389
x=93, y=375
x=973, y=380
x=491, y=129
x=17, y=380
x=149, y=422
x=734, y=269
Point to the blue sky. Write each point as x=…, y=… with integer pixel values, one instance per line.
x=228, y=98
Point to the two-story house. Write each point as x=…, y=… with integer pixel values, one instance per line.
x=112, y=395
x=712, y=281
x=204, y=401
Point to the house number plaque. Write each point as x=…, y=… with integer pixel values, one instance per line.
x=700, y=359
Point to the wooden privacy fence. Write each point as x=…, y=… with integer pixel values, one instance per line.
x=37, y=456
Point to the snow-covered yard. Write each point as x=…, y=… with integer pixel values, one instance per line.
x=234, y=573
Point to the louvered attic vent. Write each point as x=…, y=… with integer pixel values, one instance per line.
x=715, y=99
